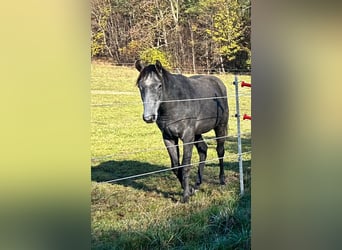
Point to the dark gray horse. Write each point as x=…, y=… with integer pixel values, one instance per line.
x=166, y=101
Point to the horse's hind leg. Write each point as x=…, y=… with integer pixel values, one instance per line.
x=220, y=132
x=202, y=152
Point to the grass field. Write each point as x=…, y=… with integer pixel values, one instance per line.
x=145, y=212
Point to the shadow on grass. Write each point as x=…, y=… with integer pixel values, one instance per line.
x=119, y=169
x=113, y=170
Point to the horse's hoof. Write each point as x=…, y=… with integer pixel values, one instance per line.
x=185, y=199
x=193, y=191
x=223, y=182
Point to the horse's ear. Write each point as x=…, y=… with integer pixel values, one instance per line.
x=159, y=67
x=139, y=65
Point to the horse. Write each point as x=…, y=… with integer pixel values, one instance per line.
x=184, y=108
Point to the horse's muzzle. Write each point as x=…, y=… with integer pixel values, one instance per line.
x=150, y=119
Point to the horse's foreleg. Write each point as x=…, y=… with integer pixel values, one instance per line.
x=202, y=152
x=187, y=153
x=173, y=150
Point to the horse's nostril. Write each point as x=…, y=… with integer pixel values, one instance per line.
x=149, y=119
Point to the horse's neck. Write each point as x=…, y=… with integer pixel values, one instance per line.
x=174, y=89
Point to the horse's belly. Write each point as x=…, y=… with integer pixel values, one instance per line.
x=204, y=125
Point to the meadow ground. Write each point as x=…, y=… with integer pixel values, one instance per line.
x=145, y=212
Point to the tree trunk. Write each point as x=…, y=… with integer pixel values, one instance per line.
x=181, y=46
x=192, y=47
x=207, y=56
x=222, y=66
x=162, y=19
x=175, y=14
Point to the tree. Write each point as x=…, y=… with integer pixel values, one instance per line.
x=192, y=33
x=100, y=13
x=227, y=30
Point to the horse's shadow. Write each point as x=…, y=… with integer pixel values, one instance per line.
x=112, y=171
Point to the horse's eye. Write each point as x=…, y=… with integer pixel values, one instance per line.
x=160, y=86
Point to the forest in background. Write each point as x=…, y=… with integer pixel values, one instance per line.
x=188, y=35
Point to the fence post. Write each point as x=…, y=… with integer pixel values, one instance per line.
x=237, y=115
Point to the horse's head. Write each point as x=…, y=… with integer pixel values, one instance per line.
x=150, y=84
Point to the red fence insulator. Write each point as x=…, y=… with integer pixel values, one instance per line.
x=247, y=117
x=245, y=84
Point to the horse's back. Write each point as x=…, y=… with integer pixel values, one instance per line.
x=211, y=113
x=207, y=84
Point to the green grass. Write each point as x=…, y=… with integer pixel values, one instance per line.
x=145, y=212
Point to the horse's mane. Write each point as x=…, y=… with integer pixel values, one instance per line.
x=152, y=68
